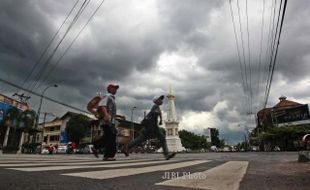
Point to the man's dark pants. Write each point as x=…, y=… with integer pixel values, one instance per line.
x=149, y=132
x=107, y=140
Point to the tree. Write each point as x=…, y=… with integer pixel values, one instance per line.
x=27, y=120
x=77, y=127
x=284, y=136
x=11, y=120
x=26, y=124
x=215, y=138
x=193, y=141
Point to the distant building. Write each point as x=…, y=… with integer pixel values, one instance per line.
x=285, y=112
x=5, y=104
x=53, y=132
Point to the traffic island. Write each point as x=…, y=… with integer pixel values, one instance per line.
x=303, y=156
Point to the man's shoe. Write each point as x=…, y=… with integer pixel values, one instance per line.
x=109, y=159
x=95, y=152
x=170, y=155
x=125, y=150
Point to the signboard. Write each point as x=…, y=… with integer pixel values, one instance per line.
x=63, y=137
x=6, y=103
x=3, y=108
x=291, y=114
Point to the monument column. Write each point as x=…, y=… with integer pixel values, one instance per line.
x=172, y=125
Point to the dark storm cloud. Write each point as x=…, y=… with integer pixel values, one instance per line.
x=119, y=45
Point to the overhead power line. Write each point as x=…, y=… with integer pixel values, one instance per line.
x=244, y=85
x=244, y=60
x=45, y=97
x=249, y=56
x=48, y=46
x=73, y=41
x=257, y=84
x=50, y=57
x=260, y=54
x=276, y=53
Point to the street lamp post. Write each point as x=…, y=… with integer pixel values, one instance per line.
x=40, y=105
x=132, y=125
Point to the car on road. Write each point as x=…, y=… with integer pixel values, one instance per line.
x=213, y=149
x=44, y=151
x=62, y=149
x=226, y=149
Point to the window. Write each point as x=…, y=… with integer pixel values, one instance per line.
x=56, y=128
x=170, y=132
x=54, y=138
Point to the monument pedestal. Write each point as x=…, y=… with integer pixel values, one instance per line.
x=174, y=144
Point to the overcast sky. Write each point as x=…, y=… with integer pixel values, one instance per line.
x=147, y=46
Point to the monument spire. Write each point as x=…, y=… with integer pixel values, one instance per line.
x=172, y=132
x=171, y=114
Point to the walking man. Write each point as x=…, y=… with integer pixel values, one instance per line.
x=151, y=129
x=106, y=116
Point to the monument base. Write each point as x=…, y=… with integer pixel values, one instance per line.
x=174, y=144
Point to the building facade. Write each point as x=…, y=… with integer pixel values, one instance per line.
x=285, y=112
x=5, y=104
x=53, y=132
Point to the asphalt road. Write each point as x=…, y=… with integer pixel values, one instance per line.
x=247, y=170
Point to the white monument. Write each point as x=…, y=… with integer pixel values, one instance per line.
x=172, y=135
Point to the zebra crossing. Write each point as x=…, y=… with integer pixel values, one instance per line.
x=225, y=175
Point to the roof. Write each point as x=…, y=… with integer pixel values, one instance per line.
x=263, y=112
x=286, y=103
x=69, y=113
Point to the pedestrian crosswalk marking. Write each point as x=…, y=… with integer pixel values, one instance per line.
x=223, y=177
x=106, y=174
x=42, y=157
x=102, y=165
x=64, y=162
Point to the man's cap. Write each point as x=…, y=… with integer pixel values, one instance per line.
x=111, y=85
x=158, y=97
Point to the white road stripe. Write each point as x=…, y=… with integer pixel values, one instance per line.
x=224, y=177
x=44, y=157
x=107, y=164
x=66, y=162
x=105, y=174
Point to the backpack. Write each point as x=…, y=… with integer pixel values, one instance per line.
x=92, y=105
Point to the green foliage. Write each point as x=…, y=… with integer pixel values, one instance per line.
x=11, y=117
x=27, y=120
x=193, y=141
x=77, y=128
x=215, y=138
x=284, y=136
x=18, y=121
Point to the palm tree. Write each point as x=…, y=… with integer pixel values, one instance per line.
x=26, y=124
x=11, y=120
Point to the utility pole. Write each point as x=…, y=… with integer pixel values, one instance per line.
x=22, y=97
x=41, y=99
x=132, y=125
